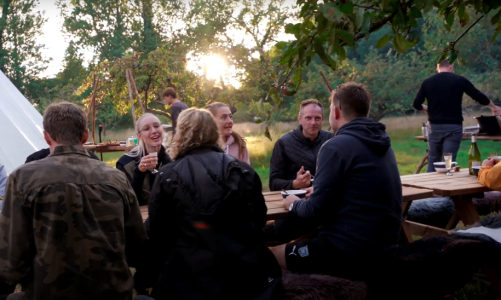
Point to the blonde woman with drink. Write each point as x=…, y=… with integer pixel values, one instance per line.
x=141, y=163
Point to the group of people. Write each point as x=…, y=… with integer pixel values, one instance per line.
x=71, y=227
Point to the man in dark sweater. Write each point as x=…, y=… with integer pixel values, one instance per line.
x=294, y=157
x=444, y=92
x=356, y=197
x=176, y=106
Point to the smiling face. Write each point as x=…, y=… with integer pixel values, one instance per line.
x=224, y=119
x=150, y=131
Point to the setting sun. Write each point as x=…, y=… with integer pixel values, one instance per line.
x=214, y=66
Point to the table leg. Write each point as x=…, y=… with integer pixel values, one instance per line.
x=405, y=231
x=466, y=210
x=423, y=163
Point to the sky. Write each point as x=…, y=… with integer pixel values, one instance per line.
x=56, y=43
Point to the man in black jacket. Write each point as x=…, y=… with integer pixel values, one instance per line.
x=444, y=92
x=294, y=157
x=357, y=194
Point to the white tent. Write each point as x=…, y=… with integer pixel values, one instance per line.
x=21, y=128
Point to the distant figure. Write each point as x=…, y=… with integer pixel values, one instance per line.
x=356, y=197
x=176, y=106
x=41, y=154
x=444, y=92
x=205, y=223
x=294, y=157
x=234, y=143
x=71, y=226
x=3, y=183
x=138, y=164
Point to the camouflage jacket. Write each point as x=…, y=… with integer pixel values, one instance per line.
x=70, y=228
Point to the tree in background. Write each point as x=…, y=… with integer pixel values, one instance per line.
x=20, y=56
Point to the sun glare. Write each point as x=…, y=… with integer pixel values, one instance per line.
x=214, y=66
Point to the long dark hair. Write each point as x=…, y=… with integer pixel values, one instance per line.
x=239, y=140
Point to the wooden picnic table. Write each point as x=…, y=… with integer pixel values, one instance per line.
x=466, y=137
x=276, y=210
x=461, y=187
x=105, y=148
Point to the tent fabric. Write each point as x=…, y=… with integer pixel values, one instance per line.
x=21, y=126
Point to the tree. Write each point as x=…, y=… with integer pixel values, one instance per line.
x=327, y=30
x=20, y=56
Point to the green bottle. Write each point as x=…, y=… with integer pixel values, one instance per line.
x=474, y=155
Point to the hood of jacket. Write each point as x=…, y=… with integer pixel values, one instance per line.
x=371, y=133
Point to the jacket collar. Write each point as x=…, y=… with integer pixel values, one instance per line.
x=200, y=149
x=65, y=150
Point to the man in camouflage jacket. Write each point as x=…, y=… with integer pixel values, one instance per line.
x=71, y=226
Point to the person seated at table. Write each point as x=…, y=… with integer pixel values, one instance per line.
x=356, y=198
x=234, y=143
x=205, y=222
x=138, y=164
x=490, y=174
x=71, y=226
x=41, y=154
x=294, y=157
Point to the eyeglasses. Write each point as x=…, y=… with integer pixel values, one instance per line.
x=149, y=128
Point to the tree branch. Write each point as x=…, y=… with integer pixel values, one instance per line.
x=466, y=31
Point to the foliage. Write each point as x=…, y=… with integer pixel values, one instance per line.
x=20, y=56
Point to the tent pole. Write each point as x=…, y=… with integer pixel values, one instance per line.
x=131, y=99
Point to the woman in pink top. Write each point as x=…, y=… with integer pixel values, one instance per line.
x=234, y=143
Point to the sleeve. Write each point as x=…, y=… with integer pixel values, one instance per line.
x=491, y=177
x=278, y=169
x=328, y=183
x=3, y=181
x=161, y=228
x=17, y=248
x=419, y=100
x=137, y=179
x=475, y=94
x=258, y=204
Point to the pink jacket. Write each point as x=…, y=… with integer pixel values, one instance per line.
x=232, y=149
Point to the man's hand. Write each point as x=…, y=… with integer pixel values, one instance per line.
x=309, y=191
x=496, y=110
x=289, y=200
x=302, y=179
x=425, y=108
x=490, y=162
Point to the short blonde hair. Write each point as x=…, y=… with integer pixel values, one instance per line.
x=65, y=122
x=195, y=127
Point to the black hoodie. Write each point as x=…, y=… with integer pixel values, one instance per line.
x=357, y=195
x=291, y=152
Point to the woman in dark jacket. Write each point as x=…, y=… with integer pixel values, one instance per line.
x=205, y=222
x=138, y=164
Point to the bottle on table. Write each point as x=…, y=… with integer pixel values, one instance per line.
x=474, y=159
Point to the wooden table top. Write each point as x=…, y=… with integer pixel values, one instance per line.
x=467, y=137
x=276, y=210
x=461, y=183
x=104, y=148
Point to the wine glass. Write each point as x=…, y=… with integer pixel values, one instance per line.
x=448, y=163
x=153, y=151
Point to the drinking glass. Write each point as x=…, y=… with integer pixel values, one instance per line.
x=448, y=163
x=153, y=151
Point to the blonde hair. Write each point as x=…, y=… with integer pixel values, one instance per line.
x=195, y=128
x=239, y=140
x=140, y=149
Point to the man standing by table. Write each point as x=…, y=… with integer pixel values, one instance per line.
x=444, y=92
x=357, y=197
x=176, y=106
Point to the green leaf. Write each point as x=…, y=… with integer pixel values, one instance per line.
x=495, y=19
x=498, y=29
x=383, y=41
x=346, y=36
x=428, y=5
x=326, y=59
x=321, y=23
x=347, y=8
x=341, y=53
x=281, y=45
x=293, y=29
x=258, y=120
x=452, y=56
x=442, y=57
x=366, y=23
x=331, y=12
x=400, y=43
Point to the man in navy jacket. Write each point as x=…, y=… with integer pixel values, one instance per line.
x=357, y=194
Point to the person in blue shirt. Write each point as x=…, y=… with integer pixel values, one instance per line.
x=356, y=197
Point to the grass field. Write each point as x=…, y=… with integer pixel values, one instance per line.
x=402, y=131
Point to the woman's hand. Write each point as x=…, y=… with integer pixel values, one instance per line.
x=148, y=162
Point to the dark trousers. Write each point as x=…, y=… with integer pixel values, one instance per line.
x=294, y=227
x=444, y=138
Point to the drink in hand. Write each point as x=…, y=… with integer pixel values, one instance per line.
x=474, y=158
